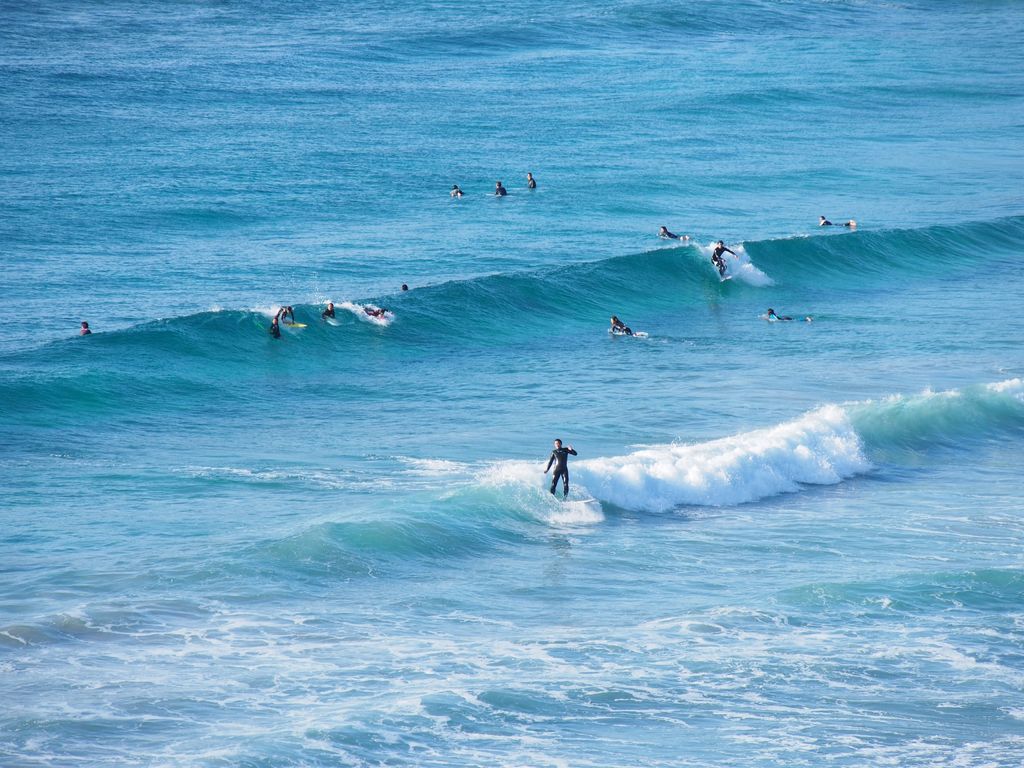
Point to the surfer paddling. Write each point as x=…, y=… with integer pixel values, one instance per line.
x=375, y=311
x=560, y=460
x=716, y=257
x=664, y=234
x=823, y=222
x=620, y=327
x=329, y=312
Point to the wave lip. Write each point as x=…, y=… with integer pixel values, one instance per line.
x=819, y=448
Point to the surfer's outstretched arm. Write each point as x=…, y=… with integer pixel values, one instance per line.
x=551, y=461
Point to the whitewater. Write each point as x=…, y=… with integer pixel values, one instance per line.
x=785, y=543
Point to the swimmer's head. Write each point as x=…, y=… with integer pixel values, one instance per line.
x=405, y=287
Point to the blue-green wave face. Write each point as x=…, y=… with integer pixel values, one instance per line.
x=788, y=539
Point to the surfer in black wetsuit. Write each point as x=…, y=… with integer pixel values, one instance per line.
x=664, y=233
x=531, y=183
x=456, y=192
x=85, y=329
x=379, y=312
x=329, y=312
x=405, y=287
x=275, y=329
x=823, y=222
x=499, y=191
x=620, y=327
x=716, y=257
x=560, y=458
x=284, y=312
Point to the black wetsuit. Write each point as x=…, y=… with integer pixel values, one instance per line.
x=717, y=260
x=327, y=313
x=500, y=191
x=668, y=235
x=532, y=184
x=825, y=223
x=275, y=330
x=560, y=458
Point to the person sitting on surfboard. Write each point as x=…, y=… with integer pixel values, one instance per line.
x=823, y=222
x=620, y=327
x=275, y=329
x=560, y=458
x=85, y=329
x=664, y=233
x=716, y=257
x=772, y=317
x=499, y=191
x=531, y=183
x=329, y=312
x=456, y=192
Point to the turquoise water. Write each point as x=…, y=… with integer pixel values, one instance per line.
x=337, y=548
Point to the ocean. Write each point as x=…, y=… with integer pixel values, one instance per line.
x=794, y=543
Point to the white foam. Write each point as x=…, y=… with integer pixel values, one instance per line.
x=359, y=310
x=820, y=448
x=739, y=266
x=1010, y=385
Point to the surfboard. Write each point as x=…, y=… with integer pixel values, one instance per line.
x=636, y=334
x=723, y=278
x=578, y=512
x=295, y=325
x=331, y=321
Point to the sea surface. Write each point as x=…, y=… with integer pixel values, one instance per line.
x=806, y=540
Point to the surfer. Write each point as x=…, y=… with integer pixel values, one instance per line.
x=456, y=192
x=665, y=234
x=405, y=287
x=716, y=257
x=772, y=317
x=620, y=327
x=499, y=191
x=379, y=312
x=560, y=458
x=531, y=183
x=329, y=312
x=85, y=329
x=284, y=312
x=823, y=222
x=275, y=329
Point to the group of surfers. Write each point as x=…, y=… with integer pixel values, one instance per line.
x=499, y=188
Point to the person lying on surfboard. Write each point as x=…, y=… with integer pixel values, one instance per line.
x=773, y=317
x=380, y=312
x=664, y=233
x=620, y=327
x=823, y=222
x=456, y=192
x=329, y=312
x=716, y=257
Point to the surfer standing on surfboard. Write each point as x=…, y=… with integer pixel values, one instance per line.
x=716, y=257
x=560, y=458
